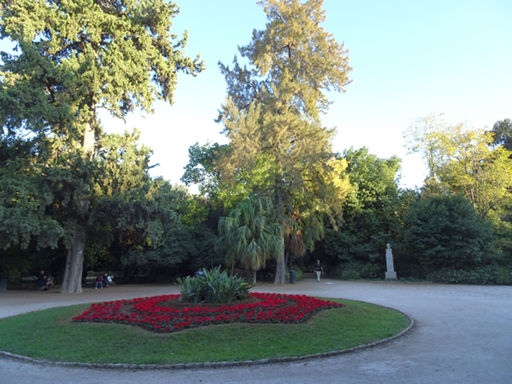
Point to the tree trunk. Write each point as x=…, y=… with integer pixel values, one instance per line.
x=280, y=269
x=88, y=140
x=72, y=282
x=253, y=277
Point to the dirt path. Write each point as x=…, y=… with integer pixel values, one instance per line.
x=463, y=334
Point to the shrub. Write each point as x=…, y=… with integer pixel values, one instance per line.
x=489, y=274
x=354, y=271
x=298, y=273
x=213, y=286
x=444, y=232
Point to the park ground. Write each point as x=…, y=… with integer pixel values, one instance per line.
x=462, y=334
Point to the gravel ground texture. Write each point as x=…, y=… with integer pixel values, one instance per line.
x=462, y=334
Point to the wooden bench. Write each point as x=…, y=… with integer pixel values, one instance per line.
x=90, y=278
x=33, y=282
x=29, y=281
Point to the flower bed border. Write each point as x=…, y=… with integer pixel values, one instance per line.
x=147, y=313
x=217, y=364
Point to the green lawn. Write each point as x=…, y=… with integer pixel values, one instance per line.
x=50, y=334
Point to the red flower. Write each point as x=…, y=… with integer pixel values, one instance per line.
x=147, y=312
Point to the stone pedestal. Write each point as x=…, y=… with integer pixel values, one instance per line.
x=390, y=273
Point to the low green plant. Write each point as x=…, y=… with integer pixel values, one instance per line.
x=350, y=274
x=299, y=275
x=213, y=286
x=355, y=270
x=488, y=274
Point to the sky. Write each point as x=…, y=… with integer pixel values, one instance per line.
x=410, y=59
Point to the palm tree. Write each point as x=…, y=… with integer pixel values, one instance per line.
x=249, y=236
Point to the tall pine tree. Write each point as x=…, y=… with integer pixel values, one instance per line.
x=278, y=146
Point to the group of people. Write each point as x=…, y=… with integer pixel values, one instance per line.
x=103, y=281
x=44, y=281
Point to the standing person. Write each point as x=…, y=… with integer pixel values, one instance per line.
x=319, y=270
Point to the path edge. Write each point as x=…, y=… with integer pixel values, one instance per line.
x=218, y=364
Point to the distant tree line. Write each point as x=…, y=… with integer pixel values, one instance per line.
x=74, y=198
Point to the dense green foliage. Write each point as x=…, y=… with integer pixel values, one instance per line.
x=24, y=199
x=371, y=213
x=249, y=234
x=162, y=232
x=488, y=274
x=354, y=270
x=467, y=162
x=446, y=232
x=277, y=145
x=502, y=133
x=474, y=163
x=213, y=286
x=72, y=59
x=201, y=171
x=73, y=198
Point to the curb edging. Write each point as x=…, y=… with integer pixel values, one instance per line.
x=218, y=364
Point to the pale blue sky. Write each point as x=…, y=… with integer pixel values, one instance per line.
x=410, y=59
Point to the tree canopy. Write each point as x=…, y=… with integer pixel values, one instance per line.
x=445, y=231
x=292, y=61
x=75, y=57
x=502, y=133
x=73, y=196
x=371, y=212
x=250, y=235
x=277, y=145
x=465, y=161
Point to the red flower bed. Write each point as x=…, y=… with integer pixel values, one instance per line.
x=163, y=314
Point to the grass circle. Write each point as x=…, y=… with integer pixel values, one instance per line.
x=52, y=336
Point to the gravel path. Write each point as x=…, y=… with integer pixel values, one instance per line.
x=463, y=334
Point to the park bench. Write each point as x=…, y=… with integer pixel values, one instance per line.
x=29, y=282
x=90, y=278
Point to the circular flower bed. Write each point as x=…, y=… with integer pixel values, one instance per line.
x=168, y=314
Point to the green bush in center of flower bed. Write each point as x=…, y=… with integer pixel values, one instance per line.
x=213, y=286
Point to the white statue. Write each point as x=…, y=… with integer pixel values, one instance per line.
x=390, y=273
